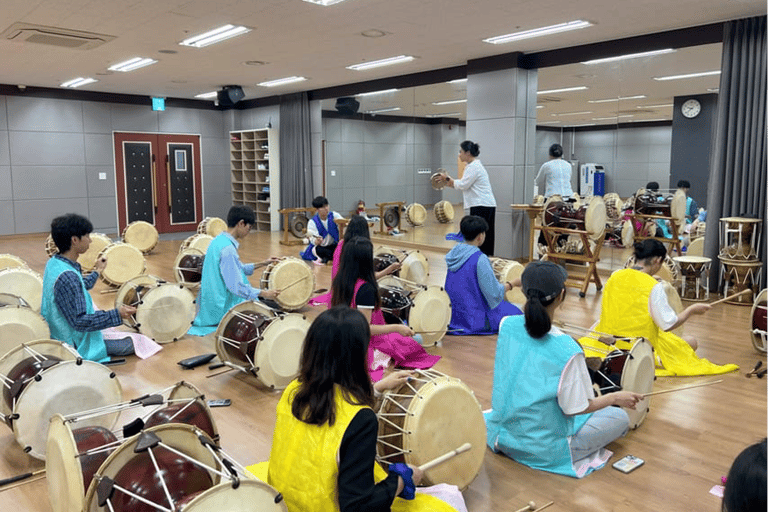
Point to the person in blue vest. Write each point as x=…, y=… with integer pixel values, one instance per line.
x=224, y=283
x=544, y=412
x=322, y=232
x=67, y=306
x=477, y=297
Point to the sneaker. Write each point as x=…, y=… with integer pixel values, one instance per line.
x=319, y=262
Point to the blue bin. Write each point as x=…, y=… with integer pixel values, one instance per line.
x=599, y=183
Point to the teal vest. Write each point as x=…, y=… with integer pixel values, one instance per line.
x=214, y=299
x=90, y=345
x=526, y=422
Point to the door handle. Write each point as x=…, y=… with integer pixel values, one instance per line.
x=154, y=182
x=168, y=183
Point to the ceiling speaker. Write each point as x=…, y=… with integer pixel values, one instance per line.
x=229, y=95
x=347, y=106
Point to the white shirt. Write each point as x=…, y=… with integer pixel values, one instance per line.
x=575, y=388
x=314, y=231
x=475, y=185
x=658, y=305
x=556, y=174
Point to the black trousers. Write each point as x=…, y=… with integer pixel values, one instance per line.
x=489, y=214
x=325, y=252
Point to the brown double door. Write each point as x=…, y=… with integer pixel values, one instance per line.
x=159, y=180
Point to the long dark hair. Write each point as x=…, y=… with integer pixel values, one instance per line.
x=335, y=353
x=649, y=249
x=356, y=263
x=537, y=321
x=745, y=489
x=357, y=226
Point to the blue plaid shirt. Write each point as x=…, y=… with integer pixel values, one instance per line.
x=69, y=298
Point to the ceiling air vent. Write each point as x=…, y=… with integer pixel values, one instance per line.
x=54, y=36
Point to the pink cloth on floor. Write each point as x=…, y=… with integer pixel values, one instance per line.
x=143, y=346
x=325, y=299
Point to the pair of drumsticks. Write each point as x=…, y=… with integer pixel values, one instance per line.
x=757, y=371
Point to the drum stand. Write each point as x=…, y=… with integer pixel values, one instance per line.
x=533, y=211
x=673, y=242
x=286, y=231
x=384, y=206
x=551, y=234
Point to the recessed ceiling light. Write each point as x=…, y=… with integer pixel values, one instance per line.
x=611, y=117
x=374, y=93
x=689, y=75
x=255, y=63
x=131, y=64
x=538, y=32
x=382, y=110
x=324, y=3
x=449, y=102
x=373, y=32
x=445, y=115
x=383, y=62
x=207, y=95
x=565, y=89
x=630, y=56
x=458, y=81
x=215, y=36
x=656, y=106
x=620, y=98
x=77, y=82
x=572, y=113
x=282, y=81
x=168, y=52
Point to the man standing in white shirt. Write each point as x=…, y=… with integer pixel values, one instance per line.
x=555, y=175
x=322, y=232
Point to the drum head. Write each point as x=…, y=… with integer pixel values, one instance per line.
x=88, y=259
x=279, y=352
x=759, y=330
x=444, y=211
x=508, y=271
x=62, y=468
x=19, y=324
x=199, y=242
x=415, y=268
x=25, y=283
x=166, y=312
x=65, y=388
x=124, y=262
x=250, y=496
x=127, y=294
x=612, y=202
x=244, y=310
x=674, y=301
x=595, y=218
x=415, y=214
x=696, y=248
x=142, y=235
x=437, y=181
x=678, y=207
x=11, y=261
x=295, y=278
x=637, y=376
x=212, y=226
x=298, y=225
x=387, y=281
x=431, y=311
x=392, y=216
x=627, y=234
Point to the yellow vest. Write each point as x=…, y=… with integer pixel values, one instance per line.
x=303, y=466
x=625, y=313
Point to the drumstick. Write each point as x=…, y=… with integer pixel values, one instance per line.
x=742, y=292
x=531, y=506
x=588, y=331
x=23, y=479
x=111, y=290
x=219, y=373
x=444, y=457
x=412, y=283
x=441, y=330
x=293, y=283
x=545, y=506
x=682, y=388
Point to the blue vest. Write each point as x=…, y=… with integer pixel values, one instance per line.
x=90, y=345
x=526, y=422
x=469, y=310
x=333, y=230
x=214, y=298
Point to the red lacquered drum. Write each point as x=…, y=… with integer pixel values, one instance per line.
x=188, y=268
x=759, y=329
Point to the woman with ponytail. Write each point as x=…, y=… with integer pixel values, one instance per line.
x=545, y=413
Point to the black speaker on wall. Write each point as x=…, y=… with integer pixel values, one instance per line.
x=347, y=106
x=229, y=95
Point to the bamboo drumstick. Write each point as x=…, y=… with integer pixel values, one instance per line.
x=682, y=388
x=544, y=506
x=293, y=283
x=22, y=479
x=444, y=457
x=742, y=292
x=531, y=506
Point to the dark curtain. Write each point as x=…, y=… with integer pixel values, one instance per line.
x=295, y=151
x=737, y=173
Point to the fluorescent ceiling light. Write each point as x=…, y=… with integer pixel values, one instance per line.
x=383, y=62
x=324, y=3
x=382, y=110
x=565, y=89
x=689, y=75
x=647, y=120
x=77, y=82
x=620, y=98
x=282, y=81
x=445, y=115
x=656, y=106
x=538, y=32
x=713, y=89
x=612, y=117
x=131, y=64
x=539, y=106
x=207, y=95
x=572, y=113
x=374, y=93
x=548, y=122
x=577, y=125
x=630, y=56
x=449, y=102
x=215, y=36
x=457, y=81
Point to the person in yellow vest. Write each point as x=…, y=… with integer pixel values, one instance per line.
x=635, y=305
x=324, y=444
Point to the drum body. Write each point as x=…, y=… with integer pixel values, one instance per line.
x=508, y=271
x=124, y=262
x=395, y=303
x=415, y=214
x=10, y=261
x=441, y=414
x=50, y=247
x=188, y=268
x=198, y=241
x=444, y=212
x=25, y=283
x=437, y=181
x=19, y=323
x=211, y=226
x=613, y=204
x=250, y=495
x=759, y=329
x=384, y=260
x=142, y=235
x=88, y=259
x=739, y=238
x=294, y=277
x=696, y=247
x=739, y=276
x=165, y=312
x=694, y=276
x=590, y=217
x=415, y=267
x=427, y=310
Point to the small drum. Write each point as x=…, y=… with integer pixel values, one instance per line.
x=19, y=323
x=694, y=276
x=415, y=267
x=88, y=259
x=11, y=261
x=124, y=262
x=415, y=214
x=164, y=311
x=759, y=329
x=392, y=216
x=437, y=181
x=628, y=370
x=428, y=416
x=198, y=241
x=211, y=226
x=50, y=247
x=444, y=212
x=627, y=234
x=254, y=339
x=294, y=278
x=508, y=270
x=739, y=238
x=25, y=283
x=45, y=378
x=142, y=235
x=188, y=268
x=739, y=276
x=613, y=204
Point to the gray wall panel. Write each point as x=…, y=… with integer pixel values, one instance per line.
x=216, y=179
x=349, y=199
x=392, y=132
x=96, y=186
x=129, y=118
x=33, y=148
x=333, y=155
x=332, y=130
x=498, y=92
x=98, y=149
x=351, y=153
x=5, y=148
x=497, y=150
x=6, y=188
x=352, y=131
x=97, y=117
x=103, y=214
x=7, y=227
x=212, y=124
x=180, y=120
x=216, y=204
x=352, y=176
x=35, y=216
x=422, y=156
x=659, y=153
x=3, y=116
x=392, y=154
x=44, y=115
x=214, y=152
x=626, y=154
x=34, y=182
x=501, y=179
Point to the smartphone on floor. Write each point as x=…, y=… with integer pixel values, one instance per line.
x=628, y=464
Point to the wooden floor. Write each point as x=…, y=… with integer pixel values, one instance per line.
x=688, y=440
